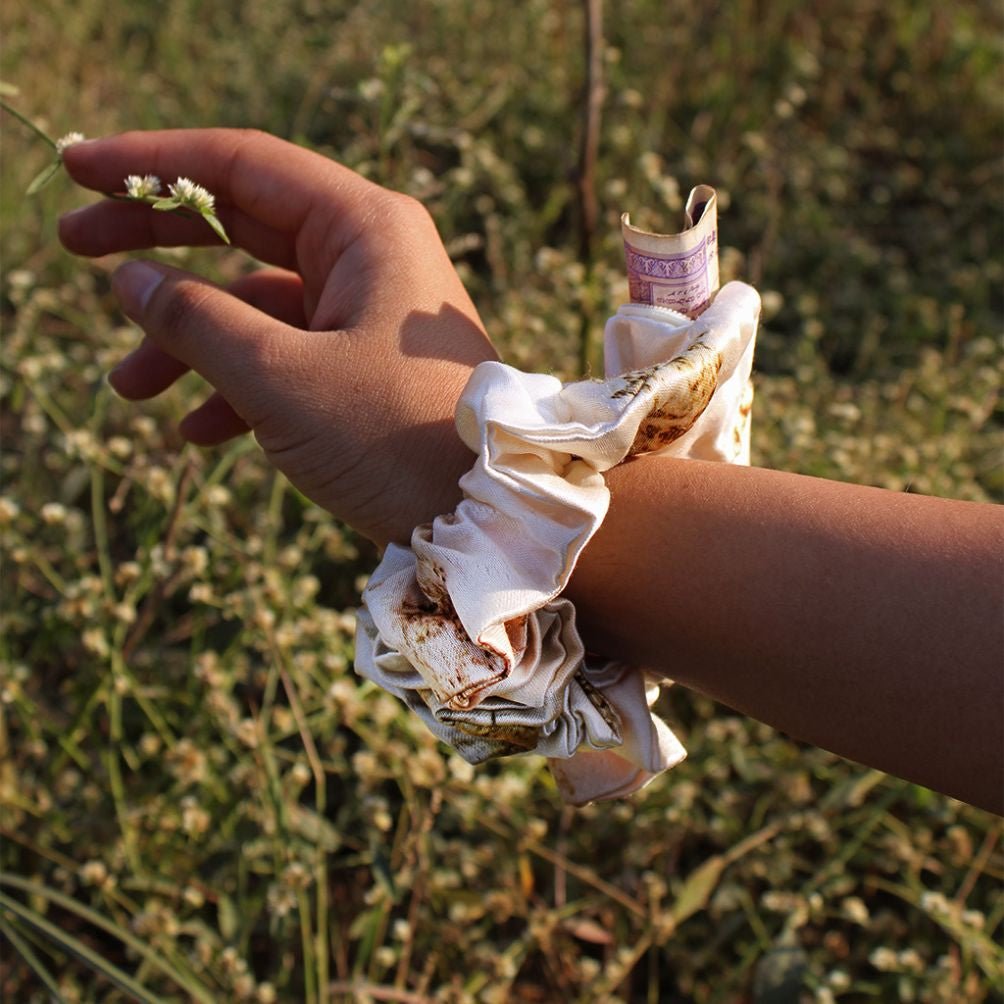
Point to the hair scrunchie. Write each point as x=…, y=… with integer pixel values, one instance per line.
x=468, y=627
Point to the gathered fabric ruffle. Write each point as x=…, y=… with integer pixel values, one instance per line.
x=468, y=626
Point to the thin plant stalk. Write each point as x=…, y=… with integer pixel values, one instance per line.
x=31, y=125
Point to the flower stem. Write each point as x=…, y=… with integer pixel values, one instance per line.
x=31, y=125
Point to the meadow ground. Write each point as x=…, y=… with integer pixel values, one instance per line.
x=198, y=800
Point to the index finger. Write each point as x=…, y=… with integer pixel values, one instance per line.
x=272, y=181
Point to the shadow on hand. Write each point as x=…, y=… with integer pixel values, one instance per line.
x=449, y=335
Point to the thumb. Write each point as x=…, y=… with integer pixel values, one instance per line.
x=237, y=348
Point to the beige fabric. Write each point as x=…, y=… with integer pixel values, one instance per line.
x=466, y=626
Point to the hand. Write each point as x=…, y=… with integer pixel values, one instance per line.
x=345, y=362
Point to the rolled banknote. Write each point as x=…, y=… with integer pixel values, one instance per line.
x=680, y=270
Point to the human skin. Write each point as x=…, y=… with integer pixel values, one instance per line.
x=861, y=620
x=345, y=359
x=864, y=621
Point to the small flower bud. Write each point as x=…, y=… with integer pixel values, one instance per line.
x=188, y=193
x=138, y=187
x=68, y=140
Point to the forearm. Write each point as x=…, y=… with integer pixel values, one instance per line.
x=864, y=621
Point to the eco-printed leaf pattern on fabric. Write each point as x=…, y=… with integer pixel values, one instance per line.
x=468, y=627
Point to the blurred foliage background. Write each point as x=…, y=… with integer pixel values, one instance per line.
x=198, y=800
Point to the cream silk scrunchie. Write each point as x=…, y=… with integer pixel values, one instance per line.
x=468, y=627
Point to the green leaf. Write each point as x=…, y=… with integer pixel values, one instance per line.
x=9, y=90
x=211, y=219
x=166, y=205
x=44, y=177
x=314, y=827
x=697, y=888
x=227, y=916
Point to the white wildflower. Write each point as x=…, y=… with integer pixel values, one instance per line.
x=149, y=744
x=68, y=140
x=187, y=762
x=884, y=959
x=244, y=986
x=145, y=427
x=194, y=818
x=218, y=495
x=342, y=691
x=231, y=960
x=839, y=980
x=935, y=902
x=193, y=896
x=295, y=876
x=280, y=900
x=157, y=482
x=854, y=909
x=20, y=278
x=188, y=193
x=461, y=770
x=53, y=513
x=139, y=187
x=246, y=731
x=119, y=446
x=125, y=612
x=263, y=619
x=300, y=774
x=94, y=641
x=9, y=509
x=371, y=89
x=385, y=956
x=93, y=873
x=201, y=592
x=195, y=559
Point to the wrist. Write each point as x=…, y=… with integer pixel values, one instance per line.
x=434, y=460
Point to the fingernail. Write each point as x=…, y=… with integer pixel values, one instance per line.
x=134, y=284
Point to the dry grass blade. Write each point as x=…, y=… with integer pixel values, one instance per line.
x=182, y=979
x=581, y=872
x=979, y=863
x=356, y=990
x=24, y=949
x=79, y=950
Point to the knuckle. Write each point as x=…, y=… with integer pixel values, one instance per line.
x=252, y=132
x=392, y=213
x=408, y=219
x=251, y=136
x=408, y=208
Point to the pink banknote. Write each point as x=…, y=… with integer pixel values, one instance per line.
x=680, y=270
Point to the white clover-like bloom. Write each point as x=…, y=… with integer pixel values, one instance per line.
x=188, y=193
x=68, y=140
x=138, y=187
x=183, y=189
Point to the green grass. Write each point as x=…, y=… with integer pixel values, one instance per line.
x=197, y=797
